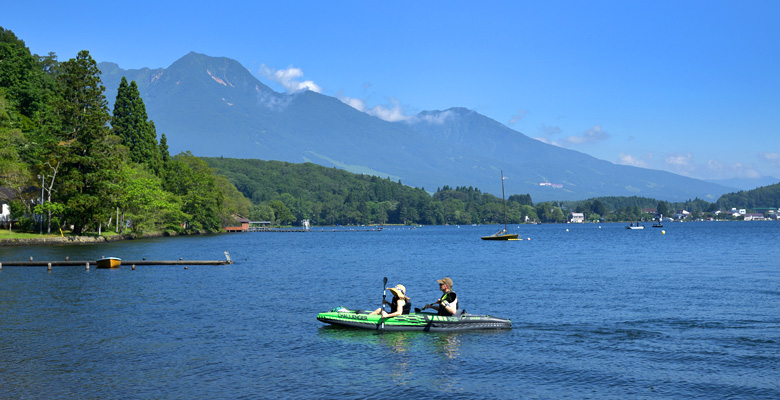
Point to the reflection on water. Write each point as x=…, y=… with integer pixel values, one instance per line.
x=448, y=345
x=400, y=354
x=443, y=345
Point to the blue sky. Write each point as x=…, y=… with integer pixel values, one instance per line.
x=688, y=87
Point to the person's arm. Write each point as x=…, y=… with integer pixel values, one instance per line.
x=450, y=307
x=399, y=309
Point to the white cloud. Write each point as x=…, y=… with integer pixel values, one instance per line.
x=517, y=117
x=592, y=135
x=628, y=159
x=357, y=104
x=772, y=158
x=742, y=171
x=273, y=101
x=289, y=79
x=685, y=164
x=548, y=141
x=679, y=160
x=435, y=119
x=392, y=113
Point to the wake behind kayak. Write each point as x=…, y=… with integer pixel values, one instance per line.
x=416, y=321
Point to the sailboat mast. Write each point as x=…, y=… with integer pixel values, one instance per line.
x=503, y=198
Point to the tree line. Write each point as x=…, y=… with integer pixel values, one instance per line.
x=285, y=193
x=68, y=162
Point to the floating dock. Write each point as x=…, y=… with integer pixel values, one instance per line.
x=88, y=263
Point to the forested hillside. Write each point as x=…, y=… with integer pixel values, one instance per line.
x=67, y=162
x=329, y=196
x=767, y=196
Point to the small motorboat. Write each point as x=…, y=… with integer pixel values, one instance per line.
x=637, y=226
x=502, y=235
x=659, y=224
x=109, y=262
x=416, y=321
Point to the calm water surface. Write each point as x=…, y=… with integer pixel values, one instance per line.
x=598, y=311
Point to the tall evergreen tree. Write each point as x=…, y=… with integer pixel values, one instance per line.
x=165, y=156
x=84, y=146
x=19, y=76
x=130, y=122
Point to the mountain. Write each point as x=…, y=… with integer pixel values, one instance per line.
x=746, y=183
x=213, y=106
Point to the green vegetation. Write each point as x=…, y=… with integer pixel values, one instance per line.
x=67, y=163
x=287, y=193
x=767, y=196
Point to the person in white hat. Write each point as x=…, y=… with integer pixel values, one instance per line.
x=400, y=304
x=447, y=305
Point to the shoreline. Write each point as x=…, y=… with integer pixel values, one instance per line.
x=85, y=240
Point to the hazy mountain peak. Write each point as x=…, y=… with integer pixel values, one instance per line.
x=214, y=106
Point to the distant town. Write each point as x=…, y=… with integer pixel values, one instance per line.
x=742, y=214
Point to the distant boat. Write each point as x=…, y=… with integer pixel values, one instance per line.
x=637, y=226
x=659, y=224
x=502, y=234
x=109, y=262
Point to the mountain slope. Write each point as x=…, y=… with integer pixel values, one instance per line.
x=214, y=107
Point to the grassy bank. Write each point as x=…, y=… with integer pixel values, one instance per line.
x=5, y=234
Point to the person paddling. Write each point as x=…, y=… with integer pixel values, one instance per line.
x=447, y=305
x=400, y=304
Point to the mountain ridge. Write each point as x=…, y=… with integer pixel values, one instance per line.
x=215, y=107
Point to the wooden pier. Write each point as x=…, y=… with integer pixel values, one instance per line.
x=88, y=263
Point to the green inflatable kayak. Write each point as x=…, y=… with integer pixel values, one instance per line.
x=416, y=321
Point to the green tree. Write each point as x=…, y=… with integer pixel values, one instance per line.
x=130, y=122
x=191, y=178
x=146, y=204
x=20, y=75
x=662, y=208
x=14, y=174
x=598, y=207
x=53, y=210
x=282, y=213
x=261, y=212
x=89, y=161
x=233, y=202
x=165, y=156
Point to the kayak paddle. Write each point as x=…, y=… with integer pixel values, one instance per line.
x=384, y=296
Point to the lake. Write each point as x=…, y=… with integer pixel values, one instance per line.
x=598, y=311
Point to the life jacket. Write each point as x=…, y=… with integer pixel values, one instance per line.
x=449, y=297
x=394, y=305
